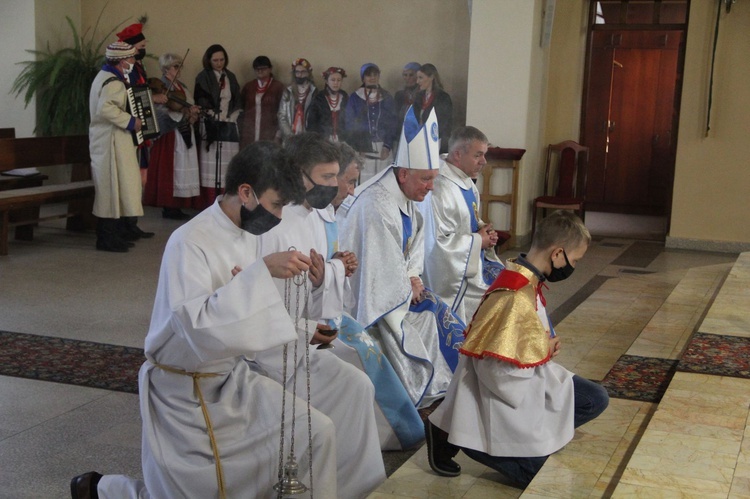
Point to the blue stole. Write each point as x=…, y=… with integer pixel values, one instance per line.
x=450, y=327
x=390, y=394
x=490, y=269
x=407, y=229
x=332, y=237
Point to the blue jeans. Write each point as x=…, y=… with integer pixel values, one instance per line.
x=590, y=400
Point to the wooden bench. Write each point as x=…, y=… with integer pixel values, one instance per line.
x=19, y=203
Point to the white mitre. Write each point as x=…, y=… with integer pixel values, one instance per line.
x=419, y=147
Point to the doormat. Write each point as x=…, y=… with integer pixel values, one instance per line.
x=639, y=378
x=74, y=362
x=717, y=354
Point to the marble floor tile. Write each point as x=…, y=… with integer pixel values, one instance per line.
x=626, y=490
x=50, y=432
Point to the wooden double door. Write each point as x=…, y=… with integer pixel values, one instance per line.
x=630, y=116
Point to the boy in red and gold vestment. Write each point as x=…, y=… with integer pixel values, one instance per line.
x=509, y=405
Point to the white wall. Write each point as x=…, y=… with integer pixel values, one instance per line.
x=17, y=25
x=506, y=91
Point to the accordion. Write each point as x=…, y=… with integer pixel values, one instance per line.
x=142, y=107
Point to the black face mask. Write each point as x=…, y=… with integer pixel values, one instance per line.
x=562, y=273
x=300, y=80
x=258, y=221
x=140, y=55
x=320, y=196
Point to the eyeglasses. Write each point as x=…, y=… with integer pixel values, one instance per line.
x=261, y=68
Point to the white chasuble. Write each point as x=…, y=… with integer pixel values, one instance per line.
x=372, y=226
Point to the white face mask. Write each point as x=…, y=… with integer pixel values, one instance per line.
x=127, y=71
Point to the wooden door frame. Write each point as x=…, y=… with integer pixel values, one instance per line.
x=592, y=27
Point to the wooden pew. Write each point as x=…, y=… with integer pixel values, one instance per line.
x=19, y=206
x=16, y=182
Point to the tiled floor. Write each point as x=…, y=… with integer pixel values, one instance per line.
x=691, y=444
x=624, y=297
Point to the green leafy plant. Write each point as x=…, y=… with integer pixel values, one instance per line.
x=61, y=81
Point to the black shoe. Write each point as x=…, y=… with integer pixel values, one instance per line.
x=84, y=486
x=440, y=452
x=143, y=234
x=107, y=238
x=128, y=229
x=174, y=214
x=126, y=235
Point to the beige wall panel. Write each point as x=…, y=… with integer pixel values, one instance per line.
x=712, y=176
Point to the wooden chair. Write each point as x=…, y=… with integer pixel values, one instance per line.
x=564, y=180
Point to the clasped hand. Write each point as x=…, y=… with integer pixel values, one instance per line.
x=489, y=236
x=349, y=259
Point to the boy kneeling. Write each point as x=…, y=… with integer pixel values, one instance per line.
x=509, y=406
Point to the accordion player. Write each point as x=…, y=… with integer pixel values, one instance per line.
x=142, y=107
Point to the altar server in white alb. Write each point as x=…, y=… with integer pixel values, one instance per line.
x=383, y=226
x=460, y=260
x=338, y=389
x=309, y=229
x=211, y=425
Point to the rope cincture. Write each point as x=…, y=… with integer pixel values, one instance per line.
x=197, y=389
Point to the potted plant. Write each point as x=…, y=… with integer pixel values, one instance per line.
x=61, y=81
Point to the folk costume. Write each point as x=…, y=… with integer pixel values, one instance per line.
x=218, y=93
x=456, y=267
x=295, y=104
x=371, y=125
x=173, y=173
x=114, y=161
x=386, y=231
x=326, y=115
x=210, y=422
x=132, y=35
x=360, y=463
x=261, y=101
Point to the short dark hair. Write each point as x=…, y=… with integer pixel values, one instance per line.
x=211, y=51
x=262, y=61
x=561, y=228
x=465, y=135
x=348, y=154
x=309, y=149
x=264, y=165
